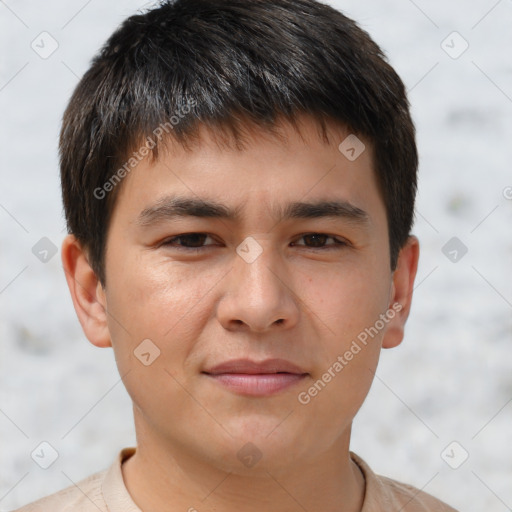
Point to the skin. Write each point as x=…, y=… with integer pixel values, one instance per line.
x=295, y=301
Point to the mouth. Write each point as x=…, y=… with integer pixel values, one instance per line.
x=252, y=378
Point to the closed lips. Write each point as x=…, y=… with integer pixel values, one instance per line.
x=247, y=366
x=257, y=379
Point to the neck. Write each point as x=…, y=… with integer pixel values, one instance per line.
x=165, y=477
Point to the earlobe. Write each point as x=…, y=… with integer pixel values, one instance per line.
x=401, y=292
x=86, y=292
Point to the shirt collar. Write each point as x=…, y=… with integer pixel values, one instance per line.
x=118, y=499
x=115, y=493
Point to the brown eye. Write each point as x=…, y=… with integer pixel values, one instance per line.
x=187, y=241
x=319, y=240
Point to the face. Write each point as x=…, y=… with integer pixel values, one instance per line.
x=254, y=275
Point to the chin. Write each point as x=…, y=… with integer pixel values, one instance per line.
x=260, y=444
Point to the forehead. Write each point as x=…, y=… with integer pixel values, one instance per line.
x=242, y=133
x=274, y=168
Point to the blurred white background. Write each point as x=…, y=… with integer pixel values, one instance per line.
x=450, y=380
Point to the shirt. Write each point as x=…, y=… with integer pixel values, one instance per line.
x=105, y=491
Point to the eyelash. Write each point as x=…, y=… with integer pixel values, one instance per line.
x=339, y=244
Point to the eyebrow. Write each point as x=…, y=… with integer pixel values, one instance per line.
x=171, y=207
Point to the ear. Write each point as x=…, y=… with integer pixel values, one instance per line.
x=86, y=291
x=401, y=292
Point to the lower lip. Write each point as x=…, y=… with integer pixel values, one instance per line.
x=257, y=384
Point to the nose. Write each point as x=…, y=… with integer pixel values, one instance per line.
x=258, y=295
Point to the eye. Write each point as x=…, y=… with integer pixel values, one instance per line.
x=187, y=241
x=318, y=241
x=196, y=241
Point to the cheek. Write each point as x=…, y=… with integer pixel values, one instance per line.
x=157, y=295
x=348, y=300
x=350, y=305
x=334, y=398
x=166, y=303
